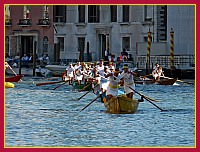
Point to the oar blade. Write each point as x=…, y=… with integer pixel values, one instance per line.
x=90, y=103
x=48, y=83
x=59, y=85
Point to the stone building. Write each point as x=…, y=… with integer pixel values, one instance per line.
x=29, y=30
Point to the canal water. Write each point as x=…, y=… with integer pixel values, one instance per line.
x=37, y=116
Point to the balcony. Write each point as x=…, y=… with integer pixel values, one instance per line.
x=24, y=22
x=44, y=22
x=8, y=22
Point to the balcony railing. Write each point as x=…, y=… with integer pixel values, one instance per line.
x=180, y=61
x=44, y=22
x=24, y=22
x=8, y=22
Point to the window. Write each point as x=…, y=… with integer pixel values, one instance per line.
x=7, y=44
x=93, y=14
x=45, y=44
x=81, y=14
x=125, y=13
x=113, y=11
x=61, y=42
x=27, y=12
x=126, y=43
x=45, y=12
x=7, y=15
x=59, y=13
x=7, y=11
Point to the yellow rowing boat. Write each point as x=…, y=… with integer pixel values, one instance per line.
x=121, y=105
x=9, y=85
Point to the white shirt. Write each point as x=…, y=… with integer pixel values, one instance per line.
x=128, y=78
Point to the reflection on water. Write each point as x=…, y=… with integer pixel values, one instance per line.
x=40, y=116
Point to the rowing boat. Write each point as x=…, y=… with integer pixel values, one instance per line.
x=121, y=105
x=162, y=81
x=9, y=85
x=56, y=70
x=13, y=78
x=82, y=87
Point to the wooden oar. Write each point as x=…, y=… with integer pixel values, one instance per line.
x=151, y=98
x=177, y=80
x=90, y=103
x=146, y=98
x=184, y=82
x=87, y=92
x=47, y=83
x=60, y=85
x=141, y=94
x=83, y=89
x=12, y=70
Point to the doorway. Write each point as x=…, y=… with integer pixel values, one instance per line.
x=27, y=45
x=81, y=47
x=103, y=44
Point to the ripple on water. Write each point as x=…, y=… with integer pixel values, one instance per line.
x=40, y=116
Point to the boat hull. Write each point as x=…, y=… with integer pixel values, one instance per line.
x=13, y=78
x=57, y=70
x=121, y=105
x=82, y=87
x=9, y=85
x=167, y=81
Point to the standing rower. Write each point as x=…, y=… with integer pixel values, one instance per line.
x=127, y=78
x=112, y=89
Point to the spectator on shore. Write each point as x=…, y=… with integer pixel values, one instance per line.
x=107, y=54
x=25, y=60
x=130, y=58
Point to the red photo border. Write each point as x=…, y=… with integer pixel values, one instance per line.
x=5, y=149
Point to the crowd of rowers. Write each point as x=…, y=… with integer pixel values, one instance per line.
x=108, y=77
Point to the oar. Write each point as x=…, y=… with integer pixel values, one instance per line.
x=87, y=92
x=12, y=70
x=185, y=82
x=146, y=99
x=60, y=85
x=151, y=98
x=141, y=94
x=90, y=103
x=47, y=83
x=83, y=89
x=177, y=80
x=166, y=77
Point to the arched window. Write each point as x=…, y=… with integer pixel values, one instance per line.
x=45, y=44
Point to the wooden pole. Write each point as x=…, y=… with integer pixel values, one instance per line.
x=171, y=49
x=34, y=57
x=148, y=52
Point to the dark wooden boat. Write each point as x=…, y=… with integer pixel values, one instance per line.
x=162, y=81
x=82, y=87
x=121, y=105
x=13, y=78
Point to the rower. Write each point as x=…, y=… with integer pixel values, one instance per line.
x=160, y=73
x=127, y=78
x=104, y=81
x=112, y=89
x=155, y=71
x=70, y=73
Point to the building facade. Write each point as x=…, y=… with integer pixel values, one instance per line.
x=94, y=28
x=29, y=30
